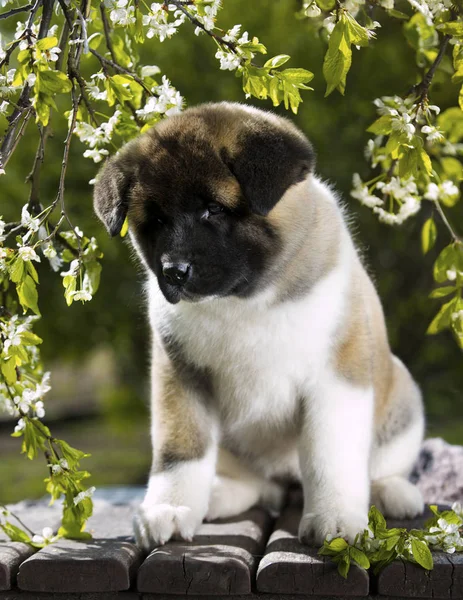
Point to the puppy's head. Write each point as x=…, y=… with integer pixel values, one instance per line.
x=198, y=189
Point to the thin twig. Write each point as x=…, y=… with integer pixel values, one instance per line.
x=442, y=215
x=15, y=11
x=181, y=6
x=17, y=519
x=421, y=89
x=107, y=32
x=117, y=67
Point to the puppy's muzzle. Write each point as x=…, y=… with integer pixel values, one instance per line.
x=176, y=273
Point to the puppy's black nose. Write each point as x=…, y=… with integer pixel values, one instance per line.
x=176, y=273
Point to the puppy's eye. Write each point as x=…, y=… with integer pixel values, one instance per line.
x=214, y=209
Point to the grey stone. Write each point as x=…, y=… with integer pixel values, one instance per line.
x=439, y=472
x=290, y=567
x=408, y=580
x=12, y=554
x=221, y=560
x=106, y=563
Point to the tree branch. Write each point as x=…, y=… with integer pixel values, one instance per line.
x=181, y=6
x=15, y=11
x=106, y=62
x=421, y=89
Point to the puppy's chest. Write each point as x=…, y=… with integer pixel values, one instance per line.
x=261, y=361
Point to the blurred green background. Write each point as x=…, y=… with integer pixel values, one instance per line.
x=98, y=352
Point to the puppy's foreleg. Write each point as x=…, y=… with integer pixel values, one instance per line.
x=184, y=436
x=334, y=457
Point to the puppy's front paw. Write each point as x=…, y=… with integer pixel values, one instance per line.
x=314, y=527
x=156, y=524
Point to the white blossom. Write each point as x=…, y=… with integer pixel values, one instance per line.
x=120, y=15
x=311, y=9
x=168, y=101
x=46, y=538
x=73, y=268
x=50, y=252
x=431, y=9
x=229, y=61
x=2, y=229
x=20, y=426
x=97, y=154
x=403, y=124
x=4, y=106
x=361, y=193
x=28, y=253
x=62, y=465
x=81, y=295
x=433, y=134
x=85, y=494
x=39, y=409
x=446, y=192
x=52, y=54
x=232, y=34
x=28, y=221
x=97, y=94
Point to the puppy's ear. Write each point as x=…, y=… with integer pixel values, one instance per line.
x=112, y=191
x=270, y=159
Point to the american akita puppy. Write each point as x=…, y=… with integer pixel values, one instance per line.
x=270, y=353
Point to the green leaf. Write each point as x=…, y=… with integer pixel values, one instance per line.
x=32, y=271
x=425, y=161
x=338, y=544
x=428, y=235
x=358, y=35
x=277, y=61
x=451, y=258
x=53, y=82
x=359, y=557
x=422, y=554
x=15, y=533
x=442, y=291
x=338, y=58
x=376, y=521
x=382, y=126
x=47, y=43
x=27, y=294
x=17, y=270
x=297, y=76
x=30, y=339
x=453, y=28
x=9, y=370
x=42, y=110
x=442, y=319
x=344, y=566
x=397, y=14
x=452, y=168
x=72, y=455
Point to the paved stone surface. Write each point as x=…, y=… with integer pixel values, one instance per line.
x=411, y=581
x=221, y=560
x=439, y=472
x=36, y=516
x=108, y=562
x=12, y=554
x=289, y=567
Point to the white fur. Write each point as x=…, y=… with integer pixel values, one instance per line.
x=176, y=502
x=334, y=454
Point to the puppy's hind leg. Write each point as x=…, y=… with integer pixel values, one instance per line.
x=396, y=447
x=235, y=489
